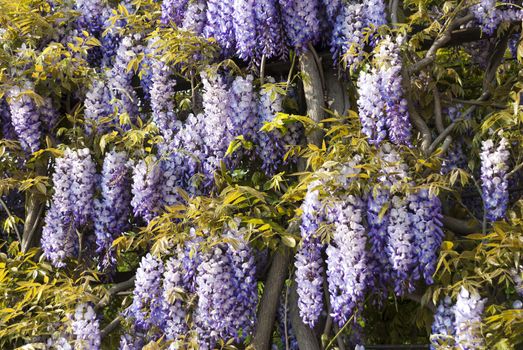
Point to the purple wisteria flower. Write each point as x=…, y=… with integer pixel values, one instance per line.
x=270, y=40
x=371, y=106
x=113, y=209
x=131, y=342
x=220, y=25
x=86, y=328
x=97, y=106
x=59, y=240
x=443, y=326
x=467, y=311
x=425, y=217
x=83, y=171
x=302, y=23
x=174, y=285
x=148, y=306
x=487, y=15
x=397, y=120
x=401, y=248
x=273, y=145
x=146, y=188
x=8, y=131
x=173, y=11
x=195, y=17
x=91, y=15
x=25, y=119
x=309, y=262
x=245, y=28
x=347, y=270
x=494, y=181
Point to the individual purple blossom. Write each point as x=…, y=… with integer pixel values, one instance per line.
x=83, y=172
x=347, y=270
x=494, y=179
x=146, y=189
x=242, y=256
x=97, y=106
x=173, y=11
x=347, y=39
x=86, y=328
x=467, y=311
x=302, y=24
x=401, y=246
x=215, y=282
x=148, y=307
x=270, y=40
x=162, y=98
x=174, y=285
x=443, y=325
x=195, y=17
x=309, y=262
x=120, y=79
x=397, y=121
x=245, y=28
x=425, y=217
x=8, y=131
x=220, y=24
x=371, y=106
x=272, y=146
x=114, y=207
x=91, y=15
x=25, y=119
x=130, y=342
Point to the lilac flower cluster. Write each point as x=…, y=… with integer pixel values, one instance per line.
x=220, y=24
x=173, y=11
x=130, y=342
x=227, y=294
x=272, y=146
x=174, y=285
x=71, y=205
x=195, y=18
x=86, y=328
x=25, y=119
x=346, y=258
x=350, y=22
x=120, y=80
x=490, y=16
x=309, y=262
x=8, y=131
x=425, y=214
x=91, y=15
x=302, y=23
x=371, y=106
x=443, y=326
x=494, y=167
x=97, y=105
x=146, y=188
x=397, y=121
x=112, y=211
x=148, y=307
x=467, y=311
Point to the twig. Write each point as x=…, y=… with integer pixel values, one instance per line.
x=119, y=287
x=339, y=332
x=441, y=41
x=437, y=110
x=262, y=69
x=111, y=327
x=10, y=215
x=515, y=170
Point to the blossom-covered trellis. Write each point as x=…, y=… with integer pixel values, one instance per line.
x=285, y=174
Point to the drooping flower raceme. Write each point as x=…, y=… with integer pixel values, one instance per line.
x=245, y=28
x=173, y=11
x=309, y=263
x=113, y=209
x=371, y=106
x=494, y=181
x=97, y=106
x=83, y=171
x=443, y=326
x=425, y=217
x=487, y=15
x=302, y=24
x=467, y=311
x=25, y=119
x=162, y=98
x=8, y=131
x=346, y=258
x=173, y=288
x=220, y=25
x=270, y=40
x=196, y=16
x=146, y=189
x=148, y=307
x=86, y=328
x=397, y=120
x=91, y=15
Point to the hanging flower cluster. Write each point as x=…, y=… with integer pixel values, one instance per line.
x=25, y=119
x=383, y=109
x=146, y=189
x=443, y=326
x=494, y=167
x=490, y=16
x=467, y=311
x=71, y=205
